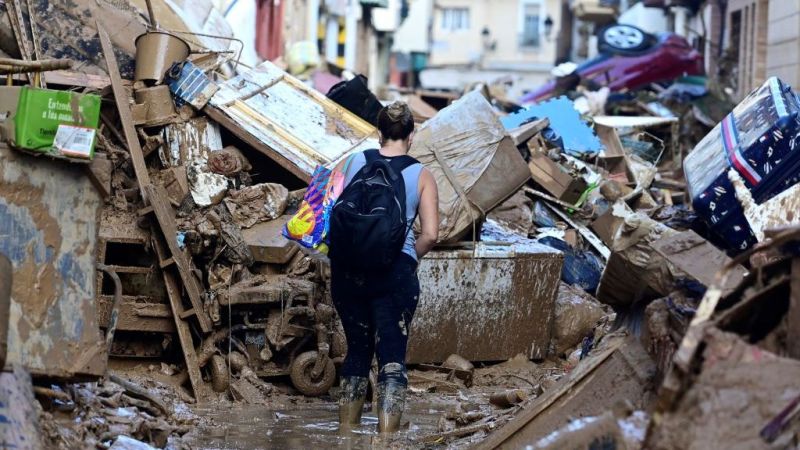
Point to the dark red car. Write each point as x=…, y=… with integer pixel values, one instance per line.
x=630, y=59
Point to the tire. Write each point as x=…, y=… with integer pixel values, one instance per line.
x=621, y=38
x=219, y=374
x=300, y=374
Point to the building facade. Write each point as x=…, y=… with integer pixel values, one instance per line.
x=482, y=40
x=761, y=38
x=492, y=34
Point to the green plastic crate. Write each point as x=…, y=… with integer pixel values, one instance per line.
x=40, y=112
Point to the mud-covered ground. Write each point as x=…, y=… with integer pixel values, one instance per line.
x=443, y=412
x=440, y=409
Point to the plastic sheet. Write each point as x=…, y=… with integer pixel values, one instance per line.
x=581, y=268
x=565, y=123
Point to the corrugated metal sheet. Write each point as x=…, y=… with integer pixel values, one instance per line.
x=486, y=305
x=48, y=229
x=303, y=127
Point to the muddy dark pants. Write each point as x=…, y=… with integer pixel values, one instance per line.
x=376, y=311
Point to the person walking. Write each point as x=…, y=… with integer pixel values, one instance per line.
x=374, y=254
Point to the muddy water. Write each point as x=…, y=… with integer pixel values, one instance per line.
x=305, y=427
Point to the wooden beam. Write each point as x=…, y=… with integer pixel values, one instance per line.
x=77, y=79
x=8, y=65
x=585, y=232
x=566, y=387
x=548, y=197
x=136, y=316
x=124, y=109
x=523, y=133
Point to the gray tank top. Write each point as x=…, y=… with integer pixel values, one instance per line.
x=411, y=178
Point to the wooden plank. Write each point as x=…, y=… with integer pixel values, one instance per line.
x=124, y=109
x=185, y=337
x=523, y=133
x=744, y=308
x=130, y=269
x=77, y=79
x=548, y=197
x=166, y=263
x=136, y=315
x=229, y=124
x=165, y=216
x=793, y=315
x=585, y=232
x=15, y=26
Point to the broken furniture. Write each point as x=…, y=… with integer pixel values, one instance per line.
x=555, y=178
x=261, y=107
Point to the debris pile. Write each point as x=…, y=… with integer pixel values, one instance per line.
x=584, y=232
x=116, y=413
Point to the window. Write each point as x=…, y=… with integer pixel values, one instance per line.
x=530, y=26
x=455, y=19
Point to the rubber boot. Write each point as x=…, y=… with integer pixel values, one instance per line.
x=351, y=400
x=391, y=403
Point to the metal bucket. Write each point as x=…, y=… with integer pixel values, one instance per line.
x=156, y=51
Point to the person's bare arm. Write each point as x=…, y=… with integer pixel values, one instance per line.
x=428, y=213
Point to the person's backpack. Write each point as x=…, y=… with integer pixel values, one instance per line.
x=368, y=224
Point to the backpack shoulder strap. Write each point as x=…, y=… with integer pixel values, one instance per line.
x=402, y=163
x=371, y=155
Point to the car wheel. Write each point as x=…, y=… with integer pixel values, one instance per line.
x=623, y=38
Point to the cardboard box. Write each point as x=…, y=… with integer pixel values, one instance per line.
x=607, y=224
x=56, y=122
x=555, y=179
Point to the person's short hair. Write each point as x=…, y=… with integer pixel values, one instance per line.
x=395, y=121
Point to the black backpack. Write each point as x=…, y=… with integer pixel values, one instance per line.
x=368, y=224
